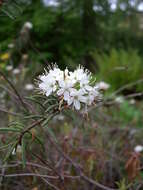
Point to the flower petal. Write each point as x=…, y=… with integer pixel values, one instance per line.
x=88, y=88
x=70, y=101
x=77, y=104
x=73, y=92
x=62, y=84
x=60, y=92
x=66, y=95
x=82, y=99
x=54, y=88
x=49, y=91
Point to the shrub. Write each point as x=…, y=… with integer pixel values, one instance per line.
x=120, y=67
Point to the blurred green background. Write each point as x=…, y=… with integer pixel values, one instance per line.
x=106, y=36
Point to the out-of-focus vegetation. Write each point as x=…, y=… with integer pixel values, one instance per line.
x=107, y=41
x=71, y=32
x=121, y=67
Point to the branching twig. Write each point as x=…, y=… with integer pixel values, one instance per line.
x=29, y=174
x=50, y=184
x=76, y=166
x=133, y=95
x=29, y=128
x=39, y=175
x=11, y=113
x=18, y=163
x=14, y=89
x=126, y=86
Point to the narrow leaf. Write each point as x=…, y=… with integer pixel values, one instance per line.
x=33, y=116
x=52, y=134
x=23, y=153
x=51, y=107
x=9, y=129
x=10, y=151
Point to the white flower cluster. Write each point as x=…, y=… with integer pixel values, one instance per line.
x=103, y=85
x=28, y=25
x=138, y=148
x=75, y=88
x=29, y=87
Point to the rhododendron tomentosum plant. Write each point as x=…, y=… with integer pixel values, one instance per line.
x=76, y=89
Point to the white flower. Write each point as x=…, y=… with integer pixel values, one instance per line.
x=92, y=96
x=16, y=71
x=48, y=84
x=80, y=75
x=85, y=86
x=132, y=101
x=119, y=99
x=25, y=56
x=48, y=89
x=65, y=88
x=29, y=87
x=28, y=25
x=76, y=97
x=53, y=3
x=138, y=148
x=57, y=74
x=103, y=85
x=9, y=67
x=89, y=100
x=10, y=46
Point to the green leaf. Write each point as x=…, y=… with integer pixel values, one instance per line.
x=37, y=96
x=49, y=117
x=92, y=80
x=49, y=101
x=16, y=125
x=40, y=142
x=9, y=129
x=36, y=101
x=23, y=152
x=5, y=146
x=51, y=107
x=52, y=134
x=33, y=116
x=10, y=151
x=47, y=120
